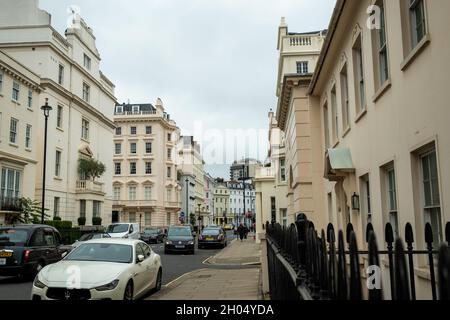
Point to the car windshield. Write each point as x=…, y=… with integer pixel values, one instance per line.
x=100, y=236
x=85, y=237
x=151, y=231
x=102, y=252
x=14, y=237
x=180, y=232
x=211, y=232
x=117, y=228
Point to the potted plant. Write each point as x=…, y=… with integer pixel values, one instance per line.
x=82, y=221
x=90, y=169
x=96, y=221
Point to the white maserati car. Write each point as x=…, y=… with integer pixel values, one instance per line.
x=102, y=269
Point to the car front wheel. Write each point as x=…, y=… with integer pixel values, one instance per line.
x=128, y=295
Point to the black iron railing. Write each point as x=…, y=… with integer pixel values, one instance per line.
x=306, y=265
x=11, y=204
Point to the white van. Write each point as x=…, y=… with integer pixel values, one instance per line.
x=124, y=230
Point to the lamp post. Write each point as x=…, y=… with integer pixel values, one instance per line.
x=187, y=199
x=243, y=179
x=46, y=109
x=199, y=218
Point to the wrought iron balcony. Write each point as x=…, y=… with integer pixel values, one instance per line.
x=11, y=204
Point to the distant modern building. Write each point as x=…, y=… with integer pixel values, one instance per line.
x=19, y=139
x=245, y=168
x=82, y=97
x=145, y=184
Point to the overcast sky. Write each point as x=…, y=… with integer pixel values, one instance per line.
x=212, y=62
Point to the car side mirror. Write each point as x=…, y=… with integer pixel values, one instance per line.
x=140, y=258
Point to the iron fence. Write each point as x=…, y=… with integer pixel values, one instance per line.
x=306, y=265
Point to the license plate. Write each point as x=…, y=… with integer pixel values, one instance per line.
x=179, y=247
x=209, y=239
x=5, y=254
x=2, y=262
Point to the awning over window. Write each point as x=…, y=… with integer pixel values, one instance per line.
x=338, y=163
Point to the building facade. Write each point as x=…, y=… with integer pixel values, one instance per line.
x=19, y=104
x=81, y=123
x=190, y=163
x=382, y=96
x=145, y=183
x=242, y=208
x=222, y=203
x=209, y=199
x=298, y=122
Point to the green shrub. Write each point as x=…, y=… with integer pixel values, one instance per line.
x=59, y=224
x=82, y=221
x=96, y=221
x=57, y=219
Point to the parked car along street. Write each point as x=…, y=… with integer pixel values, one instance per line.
x=124, y=230
x=180, y=239
x=153, y=235
x=26, y=249
x=109, y=269
x=212, y=237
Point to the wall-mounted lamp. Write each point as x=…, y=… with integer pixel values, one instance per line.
x=355, y=202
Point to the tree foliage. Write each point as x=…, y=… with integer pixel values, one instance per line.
x=90, y=168
x=28, y=211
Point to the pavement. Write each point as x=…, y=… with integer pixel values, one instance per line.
x=232, y=274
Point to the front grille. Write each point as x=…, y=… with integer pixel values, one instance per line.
x=68, y=294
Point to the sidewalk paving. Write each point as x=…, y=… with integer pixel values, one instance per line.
x=219, y=283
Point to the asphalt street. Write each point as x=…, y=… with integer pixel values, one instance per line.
x=174, y=266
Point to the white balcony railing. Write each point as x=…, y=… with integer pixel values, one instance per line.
x=90, y=186
x=135, y=203
x=265, y=172
x=295, y=41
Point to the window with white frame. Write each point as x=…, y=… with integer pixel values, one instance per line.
x=118, y=148
x=61, y=74
x=391, y=188
x=135, y=109
x=148, y=218
x=365, y=199
x=283, y=217
x=118, y=131
x=335, y=116
x=358, y=67
x=30, y=99
x=86, y=92
x=382, y=46
x=1, y=81
x=302, y=67
x=417, y=21
x=116, y=193
x=96, y=208
x=345, y=99
x=148, y=130
x=148, y=168
x=117, y=168
x=133, y=148
x=59, y=116
x=132, y=193
x=13, y=130
x=16, y=91
x=133, y=168
x=85, y=129
x=148, y=147
x=169, y=154
x=119, y=109
x=283, y=170
x=326, y=126
x=58, y=163
x=148, y=193
x=169, y=195
x=83, y=208
x=133, y=131
x=431, y=195
x=168, y=218
x=28, y=137
x=56, y=206
x=87, y=62
x=132, y=217
x=10, y=183
x=169, y=172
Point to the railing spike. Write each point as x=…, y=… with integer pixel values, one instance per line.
x=401, y=273
x=329, y=228
x=355, y=272
x=428, y=234
x=447, y=233
x=349, y=231
x=389, y=234
x=409, y=234
x=369, y=229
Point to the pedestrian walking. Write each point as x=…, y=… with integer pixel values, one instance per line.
x=241, y=231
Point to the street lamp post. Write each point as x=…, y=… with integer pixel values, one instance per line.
x=199, y=218
x=187, y=199
x=46, y=109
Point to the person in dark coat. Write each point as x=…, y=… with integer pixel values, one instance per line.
x=241, y=231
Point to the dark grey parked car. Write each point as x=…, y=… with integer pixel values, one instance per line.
x=153, y=235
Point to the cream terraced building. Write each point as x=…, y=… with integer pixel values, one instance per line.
x=19, y=103
x=145, y=185
x=382, y=94
x=81, y=122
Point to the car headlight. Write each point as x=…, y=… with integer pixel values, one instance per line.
x=108, y=287
x=191, y=242
x=38, y=284
x=169, y=242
